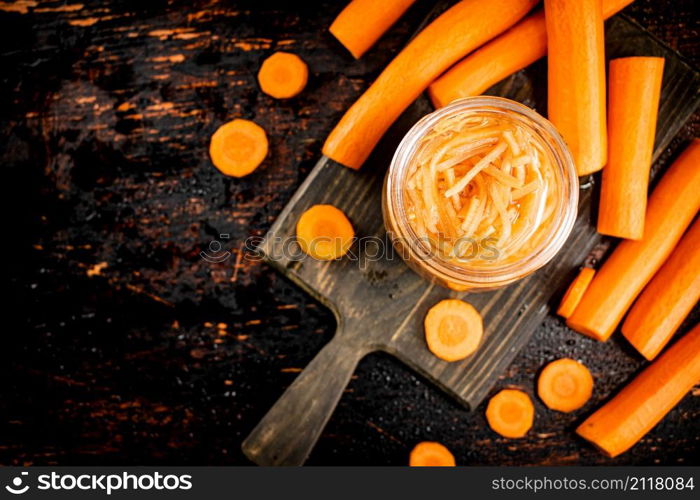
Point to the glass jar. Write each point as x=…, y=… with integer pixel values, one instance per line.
x=425, y=255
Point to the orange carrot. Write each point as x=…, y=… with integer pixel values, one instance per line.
x=431, y=454
x=672, y=206
x=283, y=75
x=635, y=410
x=512, y=51
x=565, y=385
x=575, y=292
x=324, y=232
x=238, y=147
x=363, y=22
x=453, y=329
x=455, y=33
x=667, y=299
x=633, y=103
x=510, y=413
x=576, y=79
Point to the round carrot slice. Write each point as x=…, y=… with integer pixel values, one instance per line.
x=565, y=385
x=453, y=329
x=324, y=232
x=238, y=147
x=431, y=454
x=283, y=75
x=575, y=292
x=510, y=413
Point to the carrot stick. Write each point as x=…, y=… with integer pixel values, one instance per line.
x=283, y=75
x=510, y=413
x=238, y=147
x=633, y=103
x=517, y=48
x=576, y=79
x=455, y=33
x=575, y=292
x=565, y=385
x=324, y=232
x=672, y=206
x=431, y=454
x=363, y=22
x=635, y=410
x=667, y=299
x=453, y=329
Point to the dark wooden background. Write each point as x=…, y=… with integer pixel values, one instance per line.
x=121, y=344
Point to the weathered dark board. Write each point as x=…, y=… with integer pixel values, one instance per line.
x=380, y=304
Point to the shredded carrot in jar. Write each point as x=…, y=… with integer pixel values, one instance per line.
x=480, y=180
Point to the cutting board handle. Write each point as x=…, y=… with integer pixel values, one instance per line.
x=290, y=429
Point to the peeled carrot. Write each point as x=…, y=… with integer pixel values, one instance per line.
x=238, y=147
x=576, y=79
x=363, y=22
x=324, y=232
x=431, y=454
x=667, y=299
x=510, y=413
x=575, y=292
x=672, y=206
x=517, y=48
x=635, y=410
x=565, y=385
x=456, y=32
x=453, y=329
x=633, y=103
x=283, y=75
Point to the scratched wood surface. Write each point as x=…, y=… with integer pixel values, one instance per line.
x=124, y=345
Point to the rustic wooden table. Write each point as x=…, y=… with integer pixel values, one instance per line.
x=122, y=344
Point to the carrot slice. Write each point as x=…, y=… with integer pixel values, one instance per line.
x=431, y=454
x=453, y=329
x=324, y=232
x=565, y=385
x=633, y=103
x=575, y=292
x=458, y=31
x=672, y=206
x=517, y=48
x=576, y=78
x=363, y=22
x=635, y=410
x=238, y=147
x=667, y=299
x=283, y=75
x=510, y=413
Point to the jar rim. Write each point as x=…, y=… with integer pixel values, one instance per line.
x=564, y=216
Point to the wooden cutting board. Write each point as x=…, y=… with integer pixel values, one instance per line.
x=379, y=303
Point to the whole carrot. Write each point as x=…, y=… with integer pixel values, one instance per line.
x=633, y=102
x=672, y=206
x=667, y=299
x=363, y=22
x=576, y=79
x=517, y=48
x=626, y=418
x=454, y=34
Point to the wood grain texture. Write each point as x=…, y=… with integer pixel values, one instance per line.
x=160, y=357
